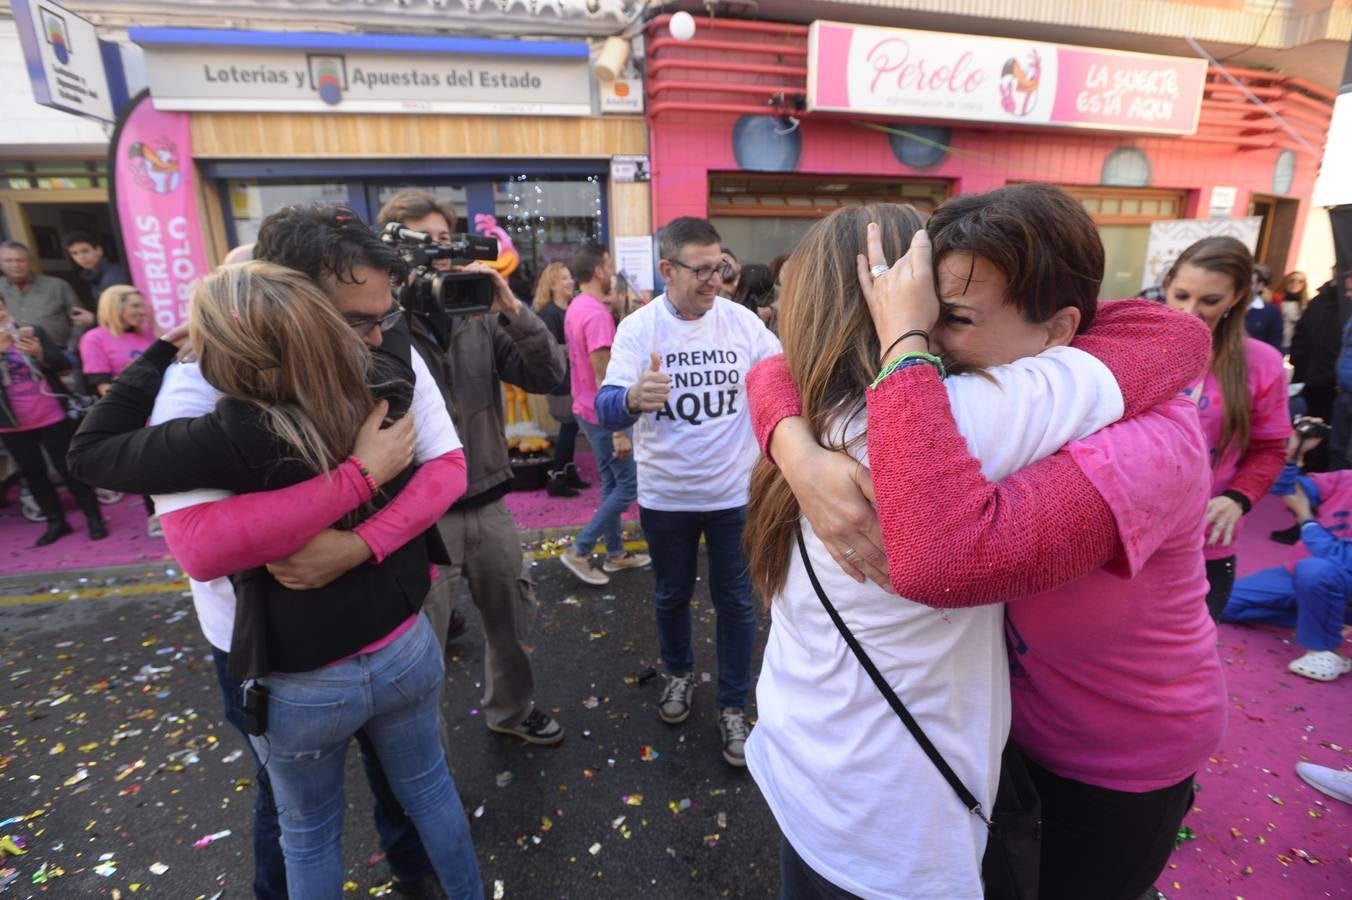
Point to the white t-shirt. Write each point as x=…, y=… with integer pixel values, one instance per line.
x=185, y=394
x=697, y=452
x=852, y=791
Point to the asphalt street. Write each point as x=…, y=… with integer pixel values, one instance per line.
x=120, y=778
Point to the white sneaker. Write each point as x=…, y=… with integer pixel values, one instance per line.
x=626, y=560
x=1321, y=665
x=734, y=731
x=1337, y=783
x=153, y=527
x=581, y=567
x=674, y=704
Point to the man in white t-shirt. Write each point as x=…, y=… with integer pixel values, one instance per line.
x=677, y=374
x=348, y=261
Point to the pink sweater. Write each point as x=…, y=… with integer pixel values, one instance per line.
x=1053, y=523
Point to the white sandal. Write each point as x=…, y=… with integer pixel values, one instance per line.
x=1321, y=665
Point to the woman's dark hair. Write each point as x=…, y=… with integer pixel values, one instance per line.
x=756, y=287
x=321, y=241
x=1038, y=236
x=1229, y=257
x=80, y=237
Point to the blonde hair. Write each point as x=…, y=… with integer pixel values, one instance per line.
x=111, y=304
x=268, y=335
x=549, y=279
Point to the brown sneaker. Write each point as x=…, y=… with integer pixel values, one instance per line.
x=626, y=560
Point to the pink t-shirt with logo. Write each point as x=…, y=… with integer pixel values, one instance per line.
x=101, y=352
x=29, y=394
x=1115, y=678
x=1270, y=419
x=588, y=326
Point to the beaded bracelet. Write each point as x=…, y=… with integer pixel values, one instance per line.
x=365, y=473
x=905, y=361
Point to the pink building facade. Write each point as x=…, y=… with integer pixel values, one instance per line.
x=731, y=139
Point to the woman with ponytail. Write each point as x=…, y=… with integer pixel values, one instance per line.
x=1241, y=399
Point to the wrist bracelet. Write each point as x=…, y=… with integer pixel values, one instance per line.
x=912, y=333
x=907, y=360
x=365, y=473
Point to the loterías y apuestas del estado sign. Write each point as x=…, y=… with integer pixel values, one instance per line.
x=198, y=69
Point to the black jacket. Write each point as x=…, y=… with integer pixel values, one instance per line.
x=276, y=629
x=1317, y=340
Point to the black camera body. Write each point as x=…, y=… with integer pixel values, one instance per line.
x=1308, y=428
x=437, y=296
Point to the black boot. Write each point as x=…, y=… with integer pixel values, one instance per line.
x=1286, y=535
x=558, y=486
x=574, y=479
x=89, y=505
x=56, y=529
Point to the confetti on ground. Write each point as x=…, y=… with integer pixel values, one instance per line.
x=647, y=754
x=210, y=839
x=594, y=849
x=504, y=779
x=158, y=868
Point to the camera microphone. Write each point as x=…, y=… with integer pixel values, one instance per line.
x=395, y=232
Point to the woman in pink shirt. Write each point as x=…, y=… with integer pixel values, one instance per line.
x=1116, y=686
x=33, y=419
x=123, y=334
x=1241, y=398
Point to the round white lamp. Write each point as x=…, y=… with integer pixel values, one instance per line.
x=682, y=26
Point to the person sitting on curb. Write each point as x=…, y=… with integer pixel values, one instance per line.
x=1311, y=592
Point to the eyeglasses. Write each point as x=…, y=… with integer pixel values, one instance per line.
x=724, y=271
x=363, y=327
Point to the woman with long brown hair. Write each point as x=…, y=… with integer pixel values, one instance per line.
x=1241, y=398
x=553, y=293
x=1104, y=530
x=297, y=437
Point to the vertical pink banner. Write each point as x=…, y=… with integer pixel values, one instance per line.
x=155, y=193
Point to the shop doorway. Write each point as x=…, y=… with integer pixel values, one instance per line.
x=763, y=216
x=1274, y=235
x=1123, y=217
x=48, y=225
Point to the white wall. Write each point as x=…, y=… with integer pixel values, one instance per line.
x=32, y=131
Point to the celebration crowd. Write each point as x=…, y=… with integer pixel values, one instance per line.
x=990, y=517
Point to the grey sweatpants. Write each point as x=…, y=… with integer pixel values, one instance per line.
x=485, y=549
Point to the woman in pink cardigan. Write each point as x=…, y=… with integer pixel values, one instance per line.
x=1116, y=687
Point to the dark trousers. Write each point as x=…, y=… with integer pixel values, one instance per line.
x=565, y=445
x=1220, y=576
x=403, y=850
x=798, y=881
x=25, y=448
x=1319, y=403
x=1104, y=844
x=673, y=543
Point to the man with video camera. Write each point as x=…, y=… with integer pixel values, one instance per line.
x=469, y=360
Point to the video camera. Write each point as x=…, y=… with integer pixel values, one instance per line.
x=439, y=296
x=1309, y=428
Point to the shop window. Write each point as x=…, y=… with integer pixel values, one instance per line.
x=1123, y=217
x=1283, y=172
x=18, y=175
x=1126, y=167
x=252, y=201
x=455, y=193
x=547, y=219
x=762, y=216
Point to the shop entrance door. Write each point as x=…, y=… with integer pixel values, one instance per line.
x=1123, y=217
x=1274, y=235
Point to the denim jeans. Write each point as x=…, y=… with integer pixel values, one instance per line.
x=394, y=695
x=619, y=488
x=1313, y=600
x=673, y=544
x=565, y=445
x=398, y=836
x=798, y=880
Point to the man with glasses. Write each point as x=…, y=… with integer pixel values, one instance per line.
x=677, y=374
x=357, y=272
x=509, y=344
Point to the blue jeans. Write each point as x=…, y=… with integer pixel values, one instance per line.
x=399, y=838
x=673, y=544
x=1313, y=600
x=619, y=488
x=393, y=695
x=799, y=881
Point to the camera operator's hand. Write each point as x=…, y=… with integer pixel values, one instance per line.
x=386, y=451
x=1299, y=504
x=504, y=301
x=650, y=392
x=328, y=555
x=1297, y=445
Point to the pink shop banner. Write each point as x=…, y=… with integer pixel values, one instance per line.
x=155, y=194
x=932, y=75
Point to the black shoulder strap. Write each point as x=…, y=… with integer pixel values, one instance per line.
x=969, y=801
